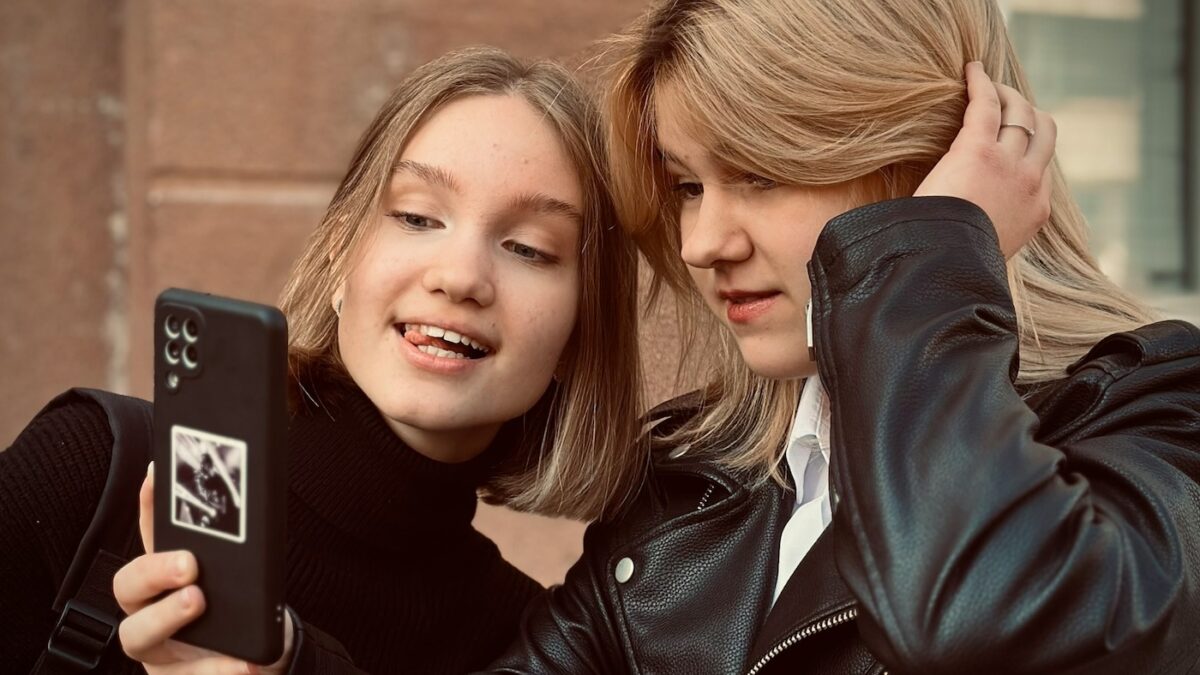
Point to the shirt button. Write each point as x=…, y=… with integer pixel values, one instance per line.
x=624, y=570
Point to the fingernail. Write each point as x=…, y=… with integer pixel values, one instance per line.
x=150, y=468
x=181, y=564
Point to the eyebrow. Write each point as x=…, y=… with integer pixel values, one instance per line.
x=717, y=160
x=668, y=158
x=538, y=202
x=432, y=175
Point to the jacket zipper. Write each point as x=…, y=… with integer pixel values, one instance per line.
x=707, y=494
x=806, y=632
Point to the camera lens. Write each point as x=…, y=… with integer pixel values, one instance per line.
x=190, y=330
x=171, y=325
x=173, y=351
x=191, y=356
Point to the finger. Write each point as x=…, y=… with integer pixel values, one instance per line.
x=145, y=633
x=982, y=116
x=1015, y=110
x=146, y=509
x=1045, y=194
x=146, y=577
x=213, y=665
x=1041, y=148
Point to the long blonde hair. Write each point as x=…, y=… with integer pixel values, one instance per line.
x=578, y=455
x=825, y=92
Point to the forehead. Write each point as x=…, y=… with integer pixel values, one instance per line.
x=495, y=142
x=680, y=131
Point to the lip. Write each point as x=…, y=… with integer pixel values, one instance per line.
x=433, y=364
x=743, y=307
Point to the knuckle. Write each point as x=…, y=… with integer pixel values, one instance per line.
x=991, y=155
x=1031, y=184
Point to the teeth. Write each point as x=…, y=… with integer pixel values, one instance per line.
x=440, y=353
x=447, y=335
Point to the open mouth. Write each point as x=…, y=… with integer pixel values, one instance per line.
x=442, y=342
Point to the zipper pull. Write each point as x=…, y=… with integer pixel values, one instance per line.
x=812, y=348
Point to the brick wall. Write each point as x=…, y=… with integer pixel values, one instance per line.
x=155, y=143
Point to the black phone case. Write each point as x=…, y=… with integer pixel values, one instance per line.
x=223, y=398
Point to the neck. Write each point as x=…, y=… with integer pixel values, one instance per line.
x=452, y=446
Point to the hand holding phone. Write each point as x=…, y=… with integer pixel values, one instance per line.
x=158, y=592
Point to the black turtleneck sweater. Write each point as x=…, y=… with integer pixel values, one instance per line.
x=381, y=552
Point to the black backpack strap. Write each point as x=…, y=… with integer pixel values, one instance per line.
x=88, y=612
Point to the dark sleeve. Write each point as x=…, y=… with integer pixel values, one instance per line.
x=974, y=541
x=51, y=478
x=568, y=629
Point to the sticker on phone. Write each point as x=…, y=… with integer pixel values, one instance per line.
x=209, y=490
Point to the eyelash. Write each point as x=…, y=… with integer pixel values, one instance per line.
x=522, y=251
x=403, y=217
x=753, y=180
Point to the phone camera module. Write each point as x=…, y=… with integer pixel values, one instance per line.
x=173, y=351
x=172, y=326
x=190, y=330
x=191, y=357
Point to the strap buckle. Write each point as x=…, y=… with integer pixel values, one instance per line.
x=82, y=635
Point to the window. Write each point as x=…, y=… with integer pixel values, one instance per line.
x=1119, y=76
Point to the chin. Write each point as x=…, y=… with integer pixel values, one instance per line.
x=777, y=363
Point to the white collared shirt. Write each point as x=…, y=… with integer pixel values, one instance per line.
x=807, y=442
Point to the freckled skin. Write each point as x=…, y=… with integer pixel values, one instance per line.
x=460, y=267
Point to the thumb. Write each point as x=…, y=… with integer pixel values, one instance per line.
x=146, y=509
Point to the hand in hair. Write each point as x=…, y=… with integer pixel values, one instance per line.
x=1000, y=160
x=158, y=592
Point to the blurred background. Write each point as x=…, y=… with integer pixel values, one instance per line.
x=155, y=143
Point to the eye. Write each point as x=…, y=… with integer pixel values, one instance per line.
x=413, y=221
x=527, y=252
x=756, y=181
x=687, y=190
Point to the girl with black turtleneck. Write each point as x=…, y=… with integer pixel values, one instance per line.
x=445, y=342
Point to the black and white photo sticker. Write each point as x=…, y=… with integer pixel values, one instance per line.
x=209, y=490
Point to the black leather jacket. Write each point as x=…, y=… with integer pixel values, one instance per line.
x=975, y=530
x=978, y=527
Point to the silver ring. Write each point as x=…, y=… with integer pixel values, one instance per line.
x=1022, y=127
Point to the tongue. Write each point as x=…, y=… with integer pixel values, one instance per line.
x=418, y=338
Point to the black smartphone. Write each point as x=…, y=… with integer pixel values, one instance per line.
x=220, y=462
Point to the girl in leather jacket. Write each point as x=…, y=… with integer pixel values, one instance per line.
x=935, y=438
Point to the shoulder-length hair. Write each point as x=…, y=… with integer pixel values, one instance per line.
x=868, y=93
x=578, y=455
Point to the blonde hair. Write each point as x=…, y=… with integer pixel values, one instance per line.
x=824, y=92
x=578, y=455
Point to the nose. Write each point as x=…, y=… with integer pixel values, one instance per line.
x=462, y=272
x=712, y=234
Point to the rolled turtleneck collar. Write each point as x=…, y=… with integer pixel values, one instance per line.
x=351, y=468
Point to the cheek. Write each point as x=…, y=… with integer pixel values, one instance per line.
x=546, y=321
